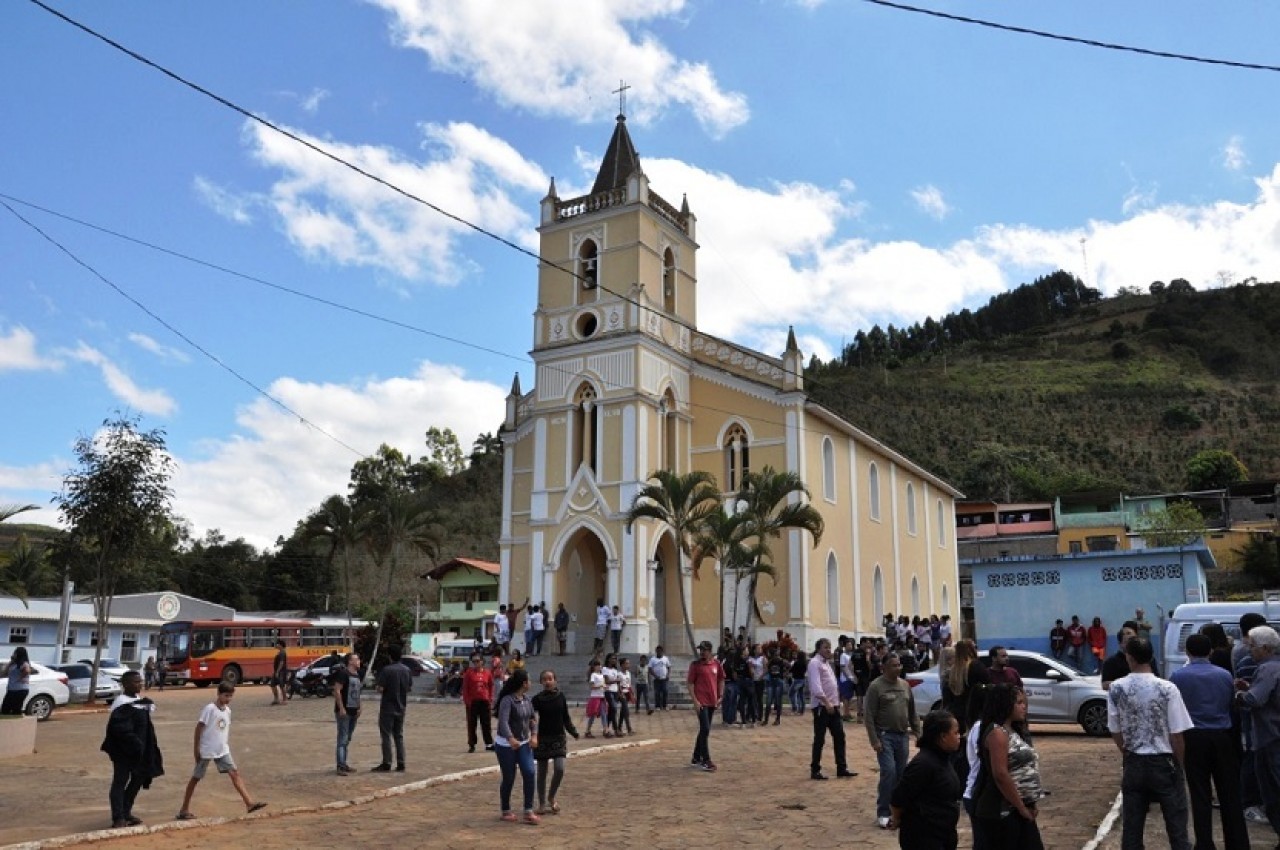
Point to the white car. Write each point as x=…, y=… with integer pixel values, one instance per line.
x=1056, y=692
x=111, y=666
x=48, y=688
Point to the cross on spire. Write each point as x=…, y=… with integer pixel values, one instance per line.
x=621, y=92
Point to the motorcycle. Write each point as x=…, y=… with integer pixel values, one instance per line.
x=311, y=682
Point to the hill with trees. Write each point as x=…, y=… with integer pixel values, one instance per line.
x=1051, y=388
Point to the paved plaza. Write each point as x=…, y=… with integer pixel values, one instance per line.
x=640, y=794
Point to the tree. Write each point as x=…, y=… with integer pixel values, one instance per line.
x=383, y=473
x=27, y=572
x=1261, y=558
x=776, y=501
x=397, y=527
x=1178, y=524
x=10, y=582
x=723, y=538
x=7, y=511
x=444, y=452
x=337, y=524
x=115, y=504
x=1214, y=469
x=682, y=503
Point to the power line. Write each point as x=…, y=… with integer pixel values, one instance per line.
x=1088, y=42
x=188, y=340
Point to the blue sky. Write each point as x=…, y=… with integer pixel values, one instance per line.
x=848, y=163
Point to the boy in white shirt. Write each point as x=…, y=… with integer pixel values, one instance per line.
x=213, y=744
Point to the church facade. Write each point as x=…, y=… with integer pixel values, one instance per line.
x=626, y=384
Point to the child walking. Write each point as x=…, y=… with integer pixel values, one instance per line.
x=213, y=744
x=553, y=724
x=595, y=700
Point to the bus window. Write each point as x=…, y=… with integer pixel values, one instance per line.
x=233, y=638
x=262, y=637
x=202, y=642
x=313, y=637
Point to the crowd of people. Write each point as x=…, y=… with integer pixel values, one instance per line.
x=1085, y=647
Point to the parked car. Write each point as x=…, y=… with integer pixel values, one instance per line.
x=48, y=688
x=111, y=666
x=1056, y=692
x=449, y=651
x=78, y=677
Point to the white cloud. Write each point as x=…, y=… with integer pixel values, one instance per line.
x=1138, y=199
x=930, y=201
x=555, y=58
x=18, y=352
x=230, y=205
x=1233, y=155
x=155, y=402
x=311, y=103
x=164, y=352
x=332, y=212
x=262, y=481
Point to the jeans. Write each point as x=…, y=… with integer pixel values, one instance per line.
x=615, y=635
x=892, y=759
x=660, y=694
x=346, y=724
x=642, y=695
x=1266, y=761
x=1153, y=779
x=1076, y=655
x=827, y=722
x=797, y=695
x=1212, y=762
x=539, y=635
x=391, y=728
x=701, y=747
x=775, y=687
x=478, y=714
x=747, y=702
x=729, y=705
x=611, y=707
x=509, y=758
x=125, y=785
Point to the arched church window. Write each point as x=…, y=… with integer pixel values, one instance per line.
x=669, y=281
x=911, y=508
x=667, y=428
x=737, y=457
x=828, y=469
x=585, y=416
x=833, y=589
x=873, y=491
x=588, y=270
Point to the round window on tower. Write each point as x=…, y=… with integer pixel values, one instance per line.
x=586, y=325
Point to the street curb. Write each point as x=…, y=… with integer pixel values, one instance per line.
x=394, y=791
x=1104, y=828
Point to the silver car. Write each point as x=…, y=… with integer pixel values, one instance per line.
x=1056, y=692
x=78, y=676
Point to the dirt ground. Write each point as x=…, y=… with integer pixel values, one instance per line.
x=628, y=797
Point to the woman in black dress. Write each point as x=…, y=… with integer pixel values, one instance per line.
x=926, y=803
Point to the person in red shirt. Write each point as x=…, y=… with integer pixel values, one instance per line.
x=1075, y=642
x=706, y=686
x=1098, y=642
x=477, y=696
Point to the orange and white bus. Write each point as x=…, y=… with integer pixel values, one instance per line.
x=235, y=651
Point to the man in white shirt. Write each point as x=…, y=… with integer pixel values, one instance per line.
x=660, y=670
x=538, y=626
x=1146, y=716
x=603, y=613
x=825, y=704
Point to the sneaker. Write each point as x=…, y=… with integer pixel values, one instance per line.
x=488, y=748
x=1255, y=814
x=883, y=823
x=709, y=766
x=382, y=768
x=695, y=762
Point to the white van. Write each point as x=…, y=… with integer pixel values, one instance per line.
x=1187, y=619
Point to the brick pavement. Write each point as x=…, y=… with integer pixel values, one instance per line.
x=761, y=797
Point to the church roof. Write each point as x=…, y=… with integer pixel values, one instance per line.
x=620, y=160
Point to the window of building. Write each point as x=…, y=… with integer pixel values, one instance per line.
x=946, y=601
x=911, y=508
x=18, y=634
x=833, y=589
x=942, y=528
x=828, y=469
x=71, y=637
x=877, y=595
x=588, y=271
x=669, y=281
x=737, y=457
x=667, y=429
x=585, y=416
x=93, y=638
x=1102, y=543
x=873, y=488
x=915, y=596
x=128, y=646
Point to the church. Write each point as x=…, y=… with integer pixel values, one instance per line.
x=625, y=384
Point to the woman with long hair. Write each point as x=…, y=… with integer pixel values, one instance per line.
x=1009, y=784
x=554, y=724
x=514, y=743
x=962, y=676
x=924, y=801
x=19, y=682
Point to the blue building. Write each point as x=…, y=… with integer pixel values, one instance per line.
x=1016, y=600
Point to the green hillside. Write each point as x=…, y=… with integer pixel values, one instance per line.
x=1037, y=394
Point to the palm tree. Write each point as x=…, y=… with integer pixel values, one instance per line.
x=9, y=582
x=724, y=537
x=775, y=502
x=400, y=524
x=337, y=523
x=683, y=503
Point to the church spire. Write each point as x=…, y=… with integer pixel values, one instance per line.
x=620, y=160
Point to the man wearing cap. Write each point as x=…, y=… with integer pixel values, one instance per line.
x=825, y=705
x=1058, y=640
x=706, y=686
